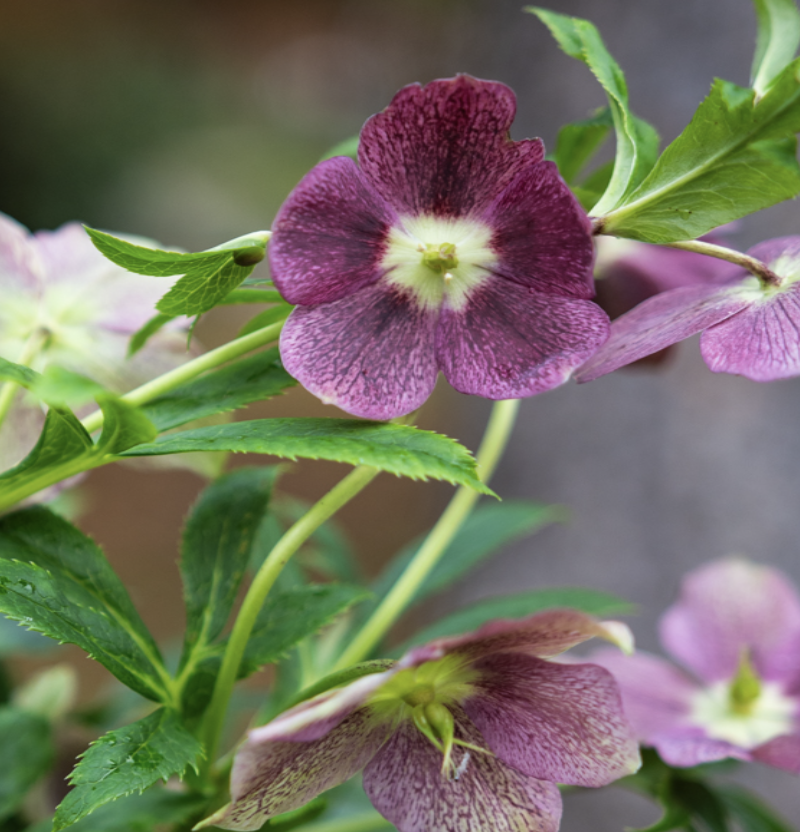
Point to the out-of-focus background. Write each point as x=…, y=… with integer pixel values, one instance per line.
x=190, y=120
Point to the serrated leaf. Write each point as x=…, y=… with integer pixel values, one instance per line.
x=735, y=157
x=251, y=379
x=147, y=331
x=398, y=449
x=130, y=759
x=204, y=286
x=749, y=812
x=636, y=151
x=593, y=602
x=17, y=373
x=777, y=40
x=15, y=639
x=216, y=548
x=28, y=753
x=56, y=581
x=578, y=142
x=124, y=426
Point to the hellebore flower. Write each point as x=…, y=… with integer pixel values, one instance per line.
x=736, y=627
x=750, y=326
x=449, y=247
x=471, y=732
x=65, y=304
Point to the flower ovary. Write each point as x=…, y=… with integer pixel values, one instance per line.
x=440, y=258
x=745, y=688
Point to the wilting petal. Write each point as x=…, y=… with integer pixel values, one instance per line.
x=542, y=235
x=543, y=635
x=695, y=749
x=660, y=321
x=329, y=236
x=370, y=353
x=510, y=342
x=761, y=342
x=559, y=722
x=656, y=695
x=406, y=785
x=782, y=752
x=444, y=149
x=729, y=606
x=273, y=777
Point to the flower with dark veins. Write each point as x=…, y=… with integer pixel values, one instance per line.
x=471, y=732
x=736, y=627
x=750, y=326
x=448, y=248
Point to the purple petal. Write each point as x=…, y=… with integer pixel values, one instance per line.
x=661, y=321
x=273, y=777
x=559, y=722
x=761, y=342
x=782, y=752
x=542, y=235
x=444, y=148
x=688, y=751
x=18, y=261
x=543, y=635
x=731, y=605
x=370, y=353
x=330, y=235
x=405, y=784
x=510, y=342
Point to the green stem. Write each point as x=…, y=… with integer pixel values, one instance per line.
x=494, y=442
x=191, y=369
x=266, y=576
x=756, y=267
x=10, y=388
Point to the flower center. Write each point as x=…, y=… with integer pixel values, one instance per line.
x=745, y=711
x=438, y=261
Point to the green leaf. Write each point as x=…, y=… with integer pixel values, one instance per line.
x=28, y=753
x=777, y=40
x=128, y=760
x=398, y=449
x=705, y=809
x=146, y=332
x=15, y=639
x=486, y=530
x=593, y=602
x=636, y=143
x=238, y=296
x=266, y=318
x=123, y=426
x=56, y=581
x=749, y=812
x=348, y=147
x=251, y=379
x=578, y=142
x=63, y=387
x=341, y=678
x=204, y=286
x=17, y=373
x=216, y=548
x=735, y=157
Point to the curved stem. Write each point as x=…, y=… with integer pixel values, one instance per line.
x=498, y=430
x=9, y=390
x=191, y=369
x=266, y=576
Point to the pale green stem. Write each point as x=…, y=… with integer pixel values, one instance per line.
x=266, y=576
x=10, y=388
x=752, y=265
x=391, y=608
x=191, y=369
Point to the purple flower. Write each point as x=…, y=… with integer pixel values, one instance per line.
x=449, y=247
x=736, y=627
x=470, y=732
x=750, y=327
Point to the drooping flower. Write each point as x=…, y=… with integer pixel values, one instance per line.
x=736, y=627
x=64, y=304
x=471, y=732
x=448, y=248
x=750, y=325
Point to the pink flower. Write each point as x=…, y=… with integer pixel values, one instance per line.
x=736, y=627
x=471, y=732
x=448, y=248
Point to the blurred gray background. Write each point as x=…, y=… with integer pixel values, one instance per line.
x=190, y=122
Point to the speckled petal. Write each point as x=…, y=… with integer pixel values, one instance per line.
x=273, y=777
x=782, y=752
x=660, y=321
x=329, y=236
x=544, y=635
x=510, y=342
x=405, y=784
x=730, y=605
x=761, y=343
x=371, y=353
x=444, y=149
x=559, y=722
x=542, y=235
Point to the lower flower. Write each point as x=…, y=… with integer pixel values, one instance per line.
x=471, y=732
